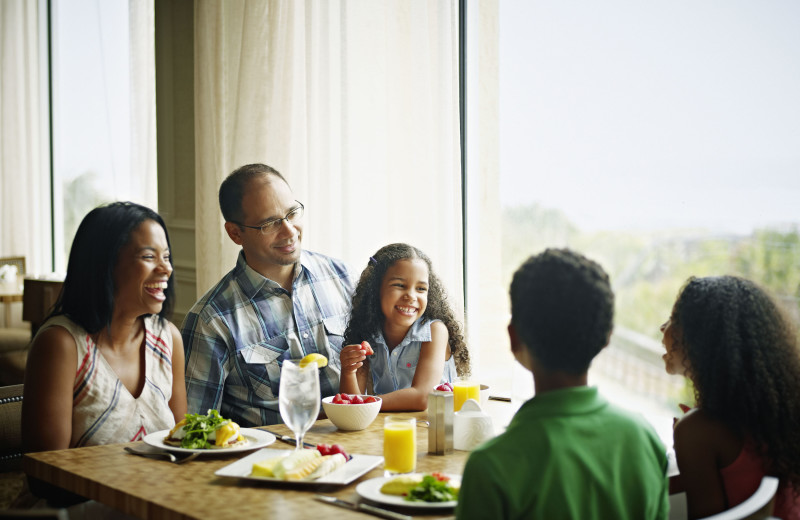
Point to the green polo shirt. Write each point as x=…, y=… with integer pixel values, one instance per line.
x=568, y=454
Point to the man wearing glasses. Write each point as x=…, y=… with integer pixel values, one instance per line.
x=278, y=303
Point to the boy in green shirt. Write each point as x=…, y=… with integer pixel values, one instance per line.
x=567, y=453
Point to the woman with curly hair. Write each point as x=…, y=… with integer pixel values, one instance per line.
x=400, y=307
x=739, y=349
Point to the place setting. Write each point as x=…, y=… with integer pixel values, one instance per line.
x=403, y=487
x=299, y=406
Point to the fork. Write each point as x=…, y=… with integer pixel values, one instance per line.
x=180, y=459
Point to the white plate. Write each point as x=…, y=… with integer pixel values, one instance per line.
x=371, y=490
x=256, y=439
x=354, y=468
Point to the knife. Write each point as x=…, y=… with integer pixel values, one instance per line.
x=364, y=508
x=289, y=440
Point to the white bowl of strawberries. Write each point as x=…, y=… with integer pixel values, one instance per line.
x=351, y=412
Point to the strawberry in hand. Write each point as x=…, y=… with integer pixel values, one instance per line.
x=366, y=348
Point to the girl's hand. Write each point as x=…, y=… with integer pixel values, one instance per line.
x=366, y=348
x=352, y=357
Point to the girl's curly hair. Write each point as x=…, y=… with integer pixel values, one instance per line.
x=366, y=317
x=743, y=359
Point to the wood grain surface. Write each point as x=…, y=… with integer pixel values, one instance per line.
x=156, y=489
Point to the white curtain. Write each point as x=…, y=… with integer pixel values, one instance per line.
x=24, y=178
x=355, y=102
x=143, y=170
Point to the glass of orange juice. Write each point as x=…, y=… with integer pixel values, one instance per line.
x=399, y=445
x=463, y=390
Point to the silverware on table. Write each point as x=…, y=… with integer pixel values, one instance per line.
x=364, y=508
x=160, y=454
x=290, y=440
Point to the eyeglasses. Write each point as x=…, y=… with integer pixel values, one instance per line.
x=273, y=225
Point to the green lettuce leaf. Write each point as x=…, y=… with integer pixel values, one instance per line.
x=432, y=490
x=198, y=427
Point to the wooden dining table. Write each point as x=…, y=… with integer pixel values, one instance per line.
x=159, y=489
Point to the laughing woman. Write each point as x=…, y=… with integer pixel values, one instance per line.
x=107, y=366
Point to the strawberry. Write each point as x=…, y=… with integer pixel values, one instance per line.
x=357, y=399
x=337, y=448
x=366, y=348
x=324, y=449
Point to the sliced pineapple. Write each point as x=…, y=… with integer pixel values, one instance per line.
x=329, y=464
x=294, y=461
x=265, y=468
x=304, y=470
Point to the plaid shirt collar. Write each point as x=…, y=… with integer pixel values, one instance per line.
x=251, y=281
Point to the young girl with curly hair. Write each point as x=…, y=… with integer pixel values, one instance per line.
x=402, y=320
x=739, y=349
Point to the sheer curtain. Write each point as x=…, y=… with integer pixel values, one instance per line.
x=143, y=171
x=25, y=226
x=24, y=178
x=355, y=102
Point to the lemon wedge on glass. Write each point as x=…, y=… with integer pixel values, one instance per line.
x=319, y=359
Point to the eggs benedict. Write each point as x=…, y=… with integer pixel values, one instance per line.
x=211, y=431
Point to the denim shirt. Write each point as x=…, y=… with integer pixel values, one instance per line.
x=395, y=371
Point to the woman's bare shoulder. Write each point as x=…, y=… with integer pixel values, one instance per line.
x=698, y=430
x=54, y=340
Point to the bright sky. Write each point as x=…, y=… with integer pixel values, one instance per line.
x=92, y=112
x=652, y=114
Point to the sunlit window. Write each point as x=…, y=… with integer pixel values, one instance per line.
x=96, y=121
x=659, y=139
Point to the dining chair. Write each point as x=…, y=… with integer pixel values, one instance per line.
x=12, y=295
x=34, y=514
x=758, y=507
x=10, y=428
x=18, y=261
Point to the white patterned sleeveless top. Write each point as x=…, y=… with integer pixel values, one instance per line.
x=103, y=410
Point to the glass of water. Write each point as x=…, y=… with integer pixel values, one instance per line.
x=298, y=398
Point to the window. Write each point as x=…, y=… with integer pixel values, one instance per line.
x=657, y=139
x=102, y=130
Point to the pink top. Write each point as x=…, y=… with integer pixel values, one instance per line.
x=743, y=476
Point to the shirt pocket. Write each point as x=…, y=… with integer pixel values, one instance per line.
x=262, y=361
x=334, y=329
x=406, y=367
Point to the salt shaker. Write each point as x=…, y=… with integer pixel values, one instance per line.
x=440, y=417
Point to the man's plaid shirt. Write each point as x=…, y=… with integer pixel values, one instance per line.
x=238, y=334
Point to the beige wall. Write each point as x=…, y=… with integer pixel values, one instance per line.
x=174, y=20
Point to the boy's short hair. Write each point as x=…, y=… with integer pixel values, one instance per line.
x=562, y=308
